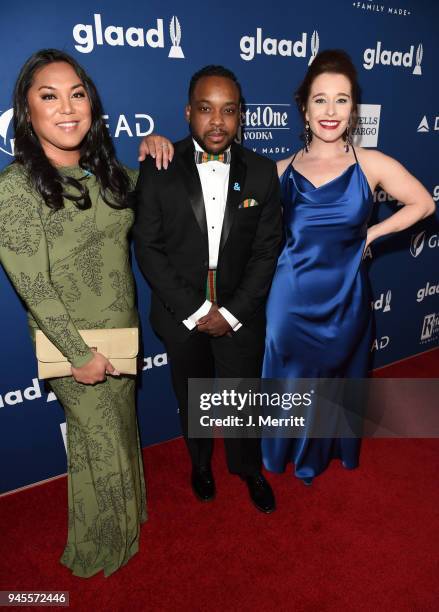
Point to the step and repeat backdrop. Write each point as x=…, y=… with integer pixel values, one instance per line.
x=141, y=55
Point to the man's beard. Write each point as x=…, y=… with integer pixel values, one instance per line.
x=206, y=148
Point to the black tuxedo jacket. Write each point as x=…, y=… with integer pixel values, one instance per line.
x=171, y=242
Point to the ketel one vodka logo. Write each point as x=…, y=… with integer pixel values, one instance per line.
x=259, y=121
x=250, y=46
x=87, y=36
x=373, y=57
x=6, y=143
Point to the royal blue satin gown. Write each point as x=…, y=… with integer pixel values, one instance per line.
x=318, y=310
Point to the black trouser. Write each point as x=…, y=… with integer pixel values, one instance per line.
x=201, y=356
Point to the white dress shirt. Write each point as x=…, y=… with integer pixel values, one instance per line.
x=214, y=178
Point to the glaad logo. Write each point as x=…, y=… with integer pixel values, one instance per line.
x=419, y=54
x=424, y=126
x=383, y=303
x=417, y=243
x=5, y=125
x=368, y=253
x=175, y=32
x=86, y=36
x=143, y=125
x=18, y=397
x=382, y=196
x=315, y=43
x=257, y=45
x=426, y=291
x=430, y=327
x=380, y=343
x=385, y=57
x=155, y=361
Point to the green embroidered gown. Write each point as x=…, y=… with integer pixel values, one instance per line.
x=71, y=267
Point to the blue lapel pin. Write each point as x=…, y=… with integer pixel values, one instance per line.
x=237, y=187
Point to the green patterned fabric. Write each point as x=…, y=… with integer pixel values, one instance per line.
x=71, y=267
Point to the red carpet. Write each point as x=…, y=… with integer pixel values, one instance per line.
x=425, y=365
x=361, y=540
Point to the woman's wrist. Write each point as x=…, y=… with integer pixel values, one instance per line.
x=82, y=360
x=372, y=233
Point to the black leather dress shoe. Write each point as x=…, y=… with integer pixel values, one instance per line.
x=203, y=484
x=261, y=493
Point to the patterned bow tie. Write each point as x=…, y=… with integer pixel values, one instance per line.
x=202, y=157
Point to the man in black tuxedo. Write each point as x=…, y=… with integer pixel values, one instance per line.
x=207, y=237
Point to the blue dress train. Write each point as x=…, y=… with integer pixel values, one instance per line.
x=318, y=310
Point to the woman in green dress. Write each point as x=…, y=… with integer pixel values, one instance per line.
x=64, y=223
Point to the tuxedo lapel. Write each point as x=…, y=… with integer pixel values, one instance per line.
x=191, y=180
x=238, y=170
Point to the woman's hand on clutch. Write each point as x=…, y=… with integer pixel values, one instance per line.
x=94, y=371
x=160, y=148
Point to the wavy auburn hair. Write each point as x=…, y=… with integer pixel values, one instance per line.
x=97, y=153
x=335, y=61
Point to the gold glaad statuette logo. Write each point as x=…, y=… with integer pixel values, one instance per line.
x=314, y=46
x=175, y=51
x=419, y=53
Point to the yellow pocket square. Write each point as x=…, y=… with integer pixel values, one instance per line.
x=248, y=203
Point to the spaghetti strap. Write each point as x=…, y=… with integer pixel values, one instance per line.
x=294, y=157
x=355, y=155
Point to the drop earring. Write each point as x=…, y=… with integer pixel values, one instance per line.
x=348, y=138
x=307, y=136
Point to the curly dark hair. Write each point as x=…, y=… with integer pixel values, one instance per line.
x=335, y=61
x=97, y=153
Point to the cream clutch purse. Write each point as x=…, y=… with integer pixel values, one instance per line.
x=120, y=346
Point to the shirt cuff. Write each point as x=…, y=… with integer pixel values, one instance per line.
x=231, y=320
x=191, y=322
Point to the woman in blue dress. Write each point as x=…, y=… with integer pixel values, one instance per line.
x=318, y=310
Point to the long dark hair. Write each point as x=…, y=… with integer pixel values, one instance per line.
x=335, y=61
x=97, y=153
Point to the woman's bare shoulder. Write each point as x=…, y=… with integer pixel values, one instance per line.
x=371, y=156
x=283, y=164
